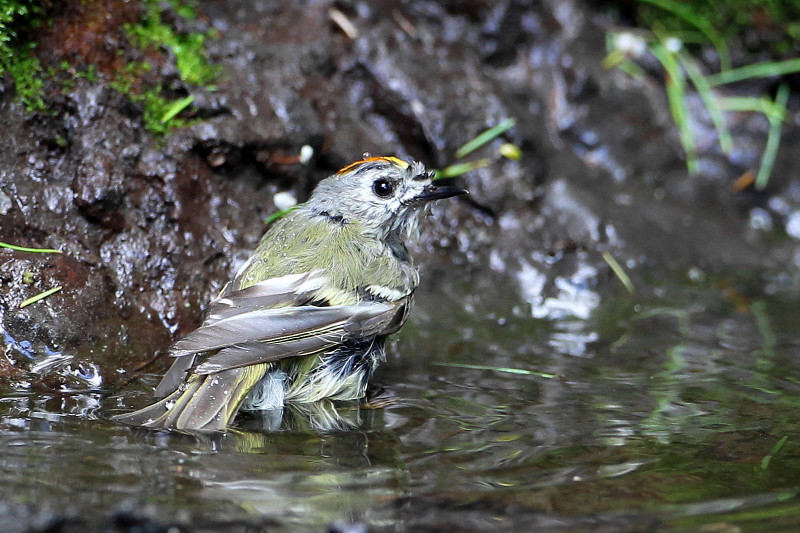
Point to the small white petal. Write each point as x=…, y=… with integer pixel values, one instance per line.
x=284, y=200
x=673, y=44
x=630, y=44
x=306, y=153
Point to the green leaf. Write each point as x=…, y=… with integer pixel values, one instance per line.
x=176, y=107
x=766, y=69
x=510, y=151
x=461, y=168
x=676, y=92
x=40, y=296
x=617, y=269
x=775, y=449
x=773, y=137
x=485, y=136
x=278, y=214
x=32, y=250
x=709, y=99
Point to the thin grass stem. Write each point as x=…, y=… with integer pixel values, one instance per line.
x=506, y=370
x=40, y=296
x=485, y=137
x=676, y=95
x=176, y=107
x=767, y=69
x=773, y=138
x=680, y=10
x=32, y=250
x=709, y=99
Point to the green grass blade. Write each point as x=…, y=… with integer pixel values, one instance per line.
x=32, y=250
x=681, y=11
x=773, y=137
x=676, y=93
x=775, y=449
x=460, y=168
x=767, y=69
x=506, y=370
x=176, y=107
x=617, y=269
x=632, y=69
x=278, y=214
x=485, y=137
x=613, y=59
x=743, y=103
x=709, y=99
x=775, y=110
x=40, y=296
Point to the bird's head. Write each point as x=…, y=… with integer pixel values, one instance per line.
x=383, y=194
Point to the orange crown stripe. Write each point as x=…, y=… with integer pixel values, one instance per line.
x=395, y=161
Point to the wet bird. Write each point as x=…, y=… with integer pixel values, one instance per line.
x=307, y=316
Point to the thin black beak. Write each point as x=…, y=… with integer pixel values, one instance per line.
x=433, y=192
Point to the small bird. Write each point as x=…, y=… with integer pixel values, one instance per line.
x=307, y=316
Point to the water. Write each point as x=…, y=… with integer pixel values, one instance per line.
x=676, y=411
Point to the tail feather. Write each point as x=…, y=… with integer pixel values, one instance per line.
x=206, y=409
x=148, y=416
x=204, y=403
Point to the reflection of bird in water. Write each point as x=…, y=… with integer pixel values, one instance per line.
x=333, y=462
x=307, y=480
x=322, y=416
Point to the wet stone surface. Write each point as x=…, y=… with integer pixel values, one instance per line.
x=665, y=409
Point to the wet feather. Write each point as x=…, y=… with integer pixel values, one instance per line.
x=306, y=317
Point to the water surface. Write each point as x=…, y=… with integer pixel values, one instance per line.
x=667, y=412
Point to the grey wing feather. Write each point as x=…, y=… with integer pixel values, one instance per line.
x=209, y=413
x=281, y=291
x=362, y=321
x=284, y=290
x=273, y=325
x=248, y=353
x=264, y=323
x=293, y=332
x=174, y=376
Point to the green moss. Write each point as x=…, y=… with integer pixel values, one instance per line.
x=90, y=74
x=11, y=13
x=159, y=111
x=155, y=108
x=16, y=58
x=186, y=49
x=184, y=8
x=26, y=72
x=151, y=35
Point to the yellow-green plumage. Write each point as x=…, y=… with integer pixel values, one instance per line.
x=302, y=243
x=307, y=316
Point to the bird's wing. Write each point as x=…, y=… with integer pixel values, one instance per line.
x=267, y=322
x=273, y=292
x=281, y=291
x=269, y=335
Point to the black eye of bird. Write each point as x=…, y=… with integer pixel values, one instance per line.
x=383, y=188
